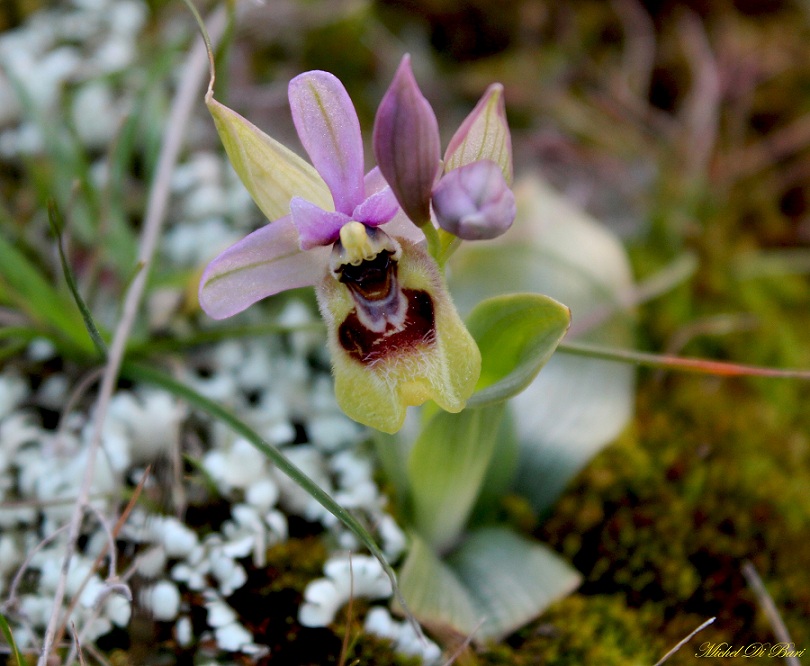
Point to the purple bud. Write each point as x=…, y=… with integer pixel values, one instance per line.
x=407, y=145
x=474, y=202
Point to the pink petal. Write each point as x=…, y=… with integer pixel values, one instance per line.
x=263, y=263
x=327, y=124
x=374, y=181
x=315, y=226
x=378, y=209
x=406, y=143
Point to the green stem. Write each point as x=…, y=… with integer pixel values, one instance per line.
x=434, y=243
x=678, y=363
x=448, y=244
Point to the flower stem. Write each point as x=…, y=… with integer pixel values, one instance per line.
x=448, y=244
x=434, y=244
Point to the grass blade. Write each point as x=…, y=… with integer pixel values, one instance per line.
x=57, y=226
x=29, y=290
x=10, y=640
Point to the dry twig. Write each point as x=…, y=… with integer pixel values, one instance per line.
x=684, y=641
x=766, y=603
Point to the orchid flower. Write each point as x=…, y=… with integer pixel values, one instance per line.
x=395, y=337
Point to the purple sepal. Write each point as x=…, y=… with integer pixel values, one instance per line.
x=264, y=263
x=474, y=202
x=328, y=127
x=407, y=144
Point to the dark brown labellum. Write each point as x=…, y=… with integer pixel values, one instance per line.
x=369, y=346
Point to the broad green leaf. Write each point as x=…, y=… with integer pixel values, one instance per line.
x=391, y=451
x=576, y=405
x=492, y=585
x=446, y=467
x=434, y=593
x=517, y=334
x=271, y=172
x=511, y=579
x=500, y=474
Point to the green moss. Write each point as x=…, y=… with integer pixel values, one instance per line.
x=666, y=517
x=582, y=630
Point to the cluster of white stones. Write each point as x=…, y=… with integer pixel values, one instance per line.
x=82, y=43
x=41, y=469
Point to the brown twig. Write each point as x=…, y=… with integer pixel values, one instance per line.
x=76, y=394
x=110, y=545
x=701, y=110
x=638, y=55
x=766, y=603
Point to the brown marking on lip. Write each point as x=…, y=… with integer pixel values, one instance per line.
x=369, y=347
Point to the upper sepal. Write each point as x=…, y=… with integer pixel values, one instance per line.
x=328, y=127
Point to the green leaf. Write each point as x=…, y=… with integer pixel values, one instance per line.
x=391, y=452
x=434, y=593
x=500, y=474
x=576, y=405
x=495, y=583
x=511, y=579
x=446, y=468
x=18, y=660
x=517, y=334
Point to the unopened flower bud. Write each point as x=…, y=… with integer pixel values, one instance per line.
x=474, y=202
x=407, y=144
